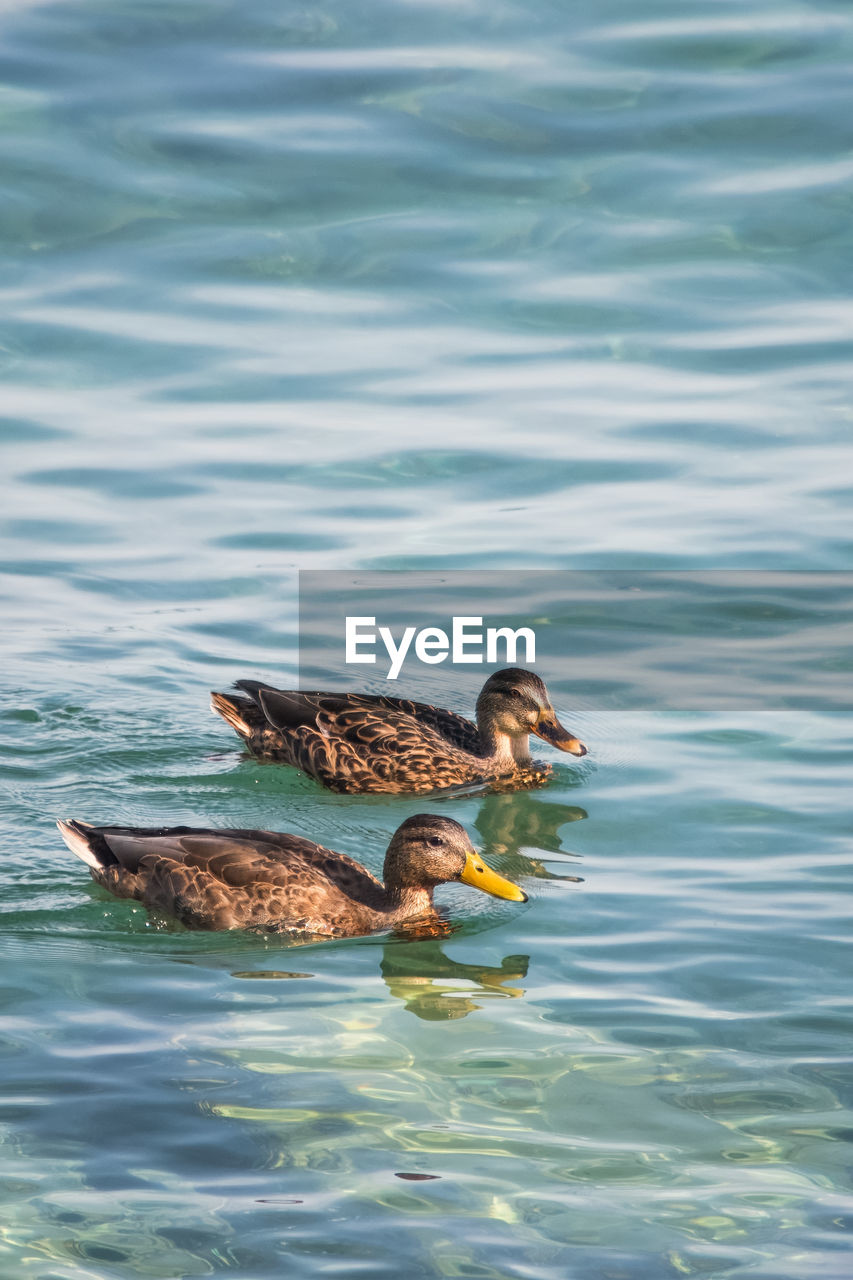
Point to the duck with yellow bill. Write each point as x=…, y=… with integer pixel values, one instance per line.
x=274, y=881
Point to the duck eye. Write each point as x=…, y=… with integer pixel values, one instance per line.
x=435, y=841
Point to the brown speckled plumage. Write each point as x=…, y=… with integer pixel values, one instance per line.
x=355, y=742
x=244, y=879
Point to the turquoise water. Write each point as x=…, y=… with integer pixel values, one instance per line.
x=427, y=286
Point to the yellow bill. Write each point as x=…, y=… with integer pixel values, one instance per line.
x=476, y=873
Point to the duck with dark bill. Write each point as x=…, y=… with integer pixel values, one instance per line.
x=354, y=742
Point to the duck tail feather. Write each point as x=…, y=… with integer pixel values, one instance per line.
x=230, y=710
x=78, y=837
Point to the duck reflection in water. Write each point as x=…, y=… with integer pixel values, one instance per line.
x=419, y=973
x=509, y=823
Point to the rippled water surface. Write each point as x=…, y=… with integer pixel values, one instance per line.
x=425, y=285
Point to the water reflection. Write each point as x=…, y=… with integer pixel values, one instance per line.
x=423, y=977
x=418, y=972
x=509, y=823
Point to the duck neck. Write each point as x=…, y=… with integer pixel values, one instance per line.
x=503, y=751
x=404, y=902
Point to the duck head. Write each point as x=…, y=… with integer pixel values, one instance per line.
x=427, y=850
x=515, y=703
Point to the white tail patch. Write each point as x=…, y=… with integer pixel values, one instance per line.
x=77, y=843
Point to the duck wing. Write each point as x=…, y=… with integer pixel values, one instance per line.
x=290, y=709
x=354, y=745
x=458, y=731
x=229, y=879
